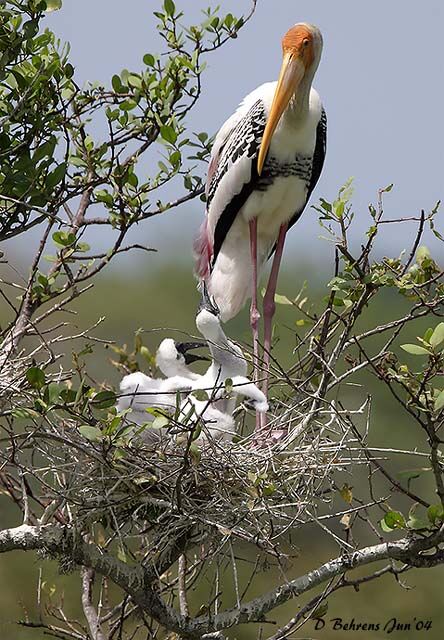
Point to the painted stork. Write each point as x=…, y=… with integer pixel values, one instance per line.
x=265, y=163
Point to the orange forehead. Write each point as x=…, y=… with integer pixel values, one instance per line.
x=293, y=39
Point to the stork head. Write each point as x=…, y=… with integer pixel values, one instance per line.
x=301, y=48
x=172, y=357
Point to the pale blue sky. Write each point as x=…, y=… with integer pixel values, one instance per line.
x=380, y=79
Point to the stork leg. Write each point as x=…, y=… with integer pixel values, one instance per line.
x=254, y=313
x=270, y=307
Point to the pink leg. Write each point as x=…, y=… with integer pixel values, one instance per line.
x=269, y=306
x=254, y=313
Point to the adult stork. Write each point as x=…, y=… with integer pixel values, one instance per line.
x=265, y=163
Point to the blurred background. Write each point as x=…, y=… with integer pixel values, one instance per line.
x=380, y=82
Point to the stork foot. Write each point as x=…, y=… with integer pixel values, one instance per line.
x=268, y=437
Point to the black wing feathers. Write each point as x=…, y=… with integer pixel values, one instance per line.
x=319, y=152
x=244, y=140
x=317, y=163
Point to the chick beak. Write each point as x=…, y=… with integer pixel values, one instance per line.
x=184, y=347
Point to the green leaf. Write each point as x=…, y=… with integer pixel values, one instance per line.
x=416, y=523
x=415, y=349
x=35, y=377
x=53, y=5
x=435, y=512
x=149, y=60
x=338, y=208
x=385, y=527
x=116, y=83
x=438, y=335
x=160, y=422
x=411, y=474
x=112, y=114
x=25, y=413
x=422, y=254
x=195, y=454
x=68, y=395
x=63, y=238
x=197, y=431
x=393, y=520
x=169, y=7
x=346, y=493
x=127, y=105
x=45, y=150
x=268, y=489
x=77, y=162
x=69, y=70
x=439, y=401
x=102, y=195
x=56, y=176
x=201, y=395
x=53, y=392
x=135, y=81
x=147, y=355
x=91, y=433
x=168, y=134
x=121, y=554
x=104, y=400
x=112, y=426
x=279, y=299
x=326, y=205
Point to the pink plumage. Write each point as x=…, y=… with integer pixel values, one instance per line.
x=203, y=249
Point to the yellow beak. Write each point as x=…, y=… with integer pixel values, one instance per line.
x=292, y=72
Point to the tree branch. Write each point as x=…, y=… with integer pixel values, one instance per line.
x=65, y=541
x=408, y=550
x=137, y=581
x=88, y=606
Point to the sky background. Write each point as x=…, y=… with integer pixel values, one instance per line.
x=380, y=79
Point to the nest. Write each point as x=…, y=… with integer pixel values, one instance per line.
x=162, y=488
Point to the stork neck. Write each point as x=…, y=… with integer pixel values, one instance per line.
x=170, y=369
x=299, y=102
